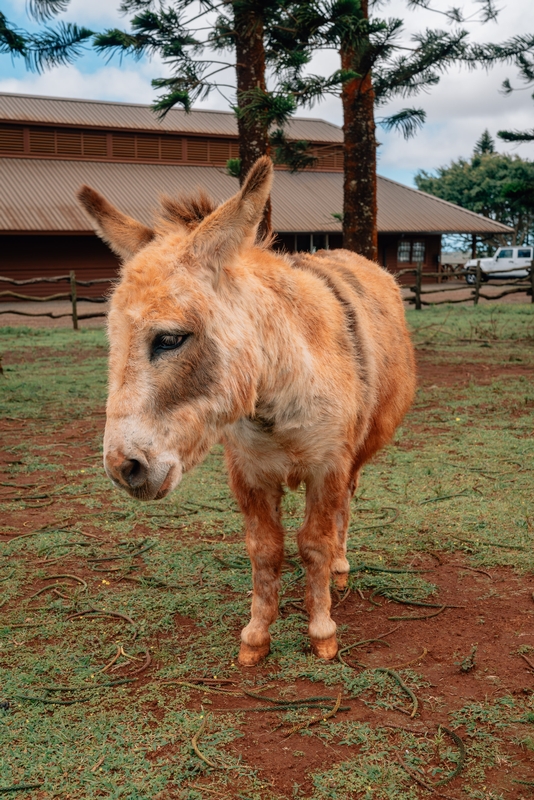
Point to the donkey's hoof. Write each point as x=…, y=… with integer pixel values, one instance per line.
x=325, y=648
x=340, y=580
x=250, y=656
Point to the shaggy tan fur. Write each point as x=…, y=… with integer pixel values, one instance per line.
x=302, y=366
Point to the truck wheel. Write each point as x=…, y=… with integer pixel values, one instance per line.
x=471, y=279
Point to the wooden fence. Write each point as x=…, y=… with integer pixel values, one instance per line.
x=514, y=286
x=525, y=284
x=72, y=296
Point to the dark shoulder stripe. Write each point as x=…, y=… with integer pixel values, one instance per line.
x=335, y=284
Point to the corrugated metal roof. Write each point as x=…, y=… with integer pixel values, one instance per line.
x=401, y=208
x=39, y=195
x=133, y=116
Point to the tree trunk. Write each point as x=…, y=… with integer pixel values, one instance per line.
x=359, y=184
x=250, y=73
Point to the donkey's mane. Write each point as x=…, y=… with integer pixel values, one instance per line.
x=190, y=210
x=187, y=210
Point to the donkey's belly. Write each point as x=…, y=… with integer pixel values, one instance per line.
x=288, y=457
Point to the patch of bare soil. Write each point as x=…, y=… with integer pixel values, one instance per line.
x=30, y=356
x=452, y=374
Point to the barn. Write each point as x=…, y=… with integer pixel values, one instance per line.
x=49, y=146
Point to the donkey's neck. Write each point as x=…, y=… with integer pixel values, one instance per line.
x=281, y=318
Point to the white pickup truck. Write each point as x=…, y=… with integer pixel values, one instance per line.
x=508, y=262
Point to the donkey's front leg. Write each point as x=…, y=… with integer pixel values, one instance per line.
x=318, y=542
x=265, y=545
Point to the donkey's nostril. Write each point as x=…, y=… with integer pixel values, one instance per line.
x=133, y=472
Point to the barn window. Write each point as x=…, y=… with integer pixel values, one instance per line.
x=69, y=143
x=123, y=146
x=404, y=252
x=219, y=152
x=303, y=243
x=409, y=252
x=319, y=241
x=418, y=252
x=42, y=140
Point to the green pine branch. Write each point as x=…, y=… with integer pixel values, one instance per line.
x=12, y=40
x=294, y=154
x=44, y=10
x=514, y=50
x=56, y=47
x=306, y=91
x=406, y=76
x=271, y=108
x=516, y=136
x=408, y=121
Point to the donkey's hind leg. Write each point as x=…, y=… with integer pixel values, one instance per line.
x=265, y=545
x=340, y=565
x=318, y=543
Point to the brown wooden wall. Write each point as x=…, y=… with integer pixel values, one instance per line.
x=28, y=256
x=32, y=256
x=388, y=246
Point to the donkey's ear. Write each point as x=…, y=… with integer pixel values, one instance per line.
x=220, y=237
x=124, y=235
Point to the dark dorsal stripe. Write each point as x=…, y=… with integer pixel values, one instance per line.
x=337, y=286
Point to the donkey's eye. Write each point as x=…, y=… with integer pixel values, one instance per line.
x=167, y=341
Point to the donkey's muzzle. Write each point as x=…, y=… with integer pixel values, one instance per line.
x=143, y=478
x=133, y=473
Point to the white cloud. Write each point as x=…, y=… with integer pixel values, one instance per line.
x=107, y=83
x=458, y=110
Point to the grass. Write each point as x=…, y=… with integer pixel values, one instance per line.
x=457, y=479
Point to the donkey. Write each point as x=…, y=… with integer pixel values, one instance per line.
x=300, y=364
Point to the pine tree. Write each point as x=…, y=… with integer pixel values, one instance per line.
x=485, y=144
x=385, y=67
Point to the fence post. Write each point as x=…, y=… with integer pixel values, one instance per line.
x=477, y=283
x=418, y=279
x=73, y=299
x=532, y=281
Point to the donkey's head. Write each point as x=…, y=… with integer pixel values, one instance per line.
x=182, y=364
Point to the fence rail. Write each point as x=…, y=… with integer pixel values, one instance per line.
x=72, y=296
x=519, y=285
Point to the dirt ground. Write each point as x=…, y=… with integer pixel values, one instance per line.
x=482, y=614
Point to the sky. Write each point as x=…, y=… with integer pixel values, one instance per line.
x=459, y=108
